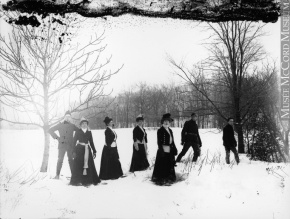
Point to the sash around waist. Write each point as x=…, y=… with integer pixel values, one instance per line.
x=140, y=142
x=166, y=148
x=114, y=144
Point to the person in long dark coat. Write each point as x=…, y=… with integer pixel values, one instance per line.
x=229, y=141
x=65, y=141
x=84, y=170
x=164, y=171
x=190, y=138
x=139, y=158
x=110, y=163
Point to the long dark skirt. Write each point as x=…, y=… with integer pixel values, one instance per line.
x=110, y=164
x=164, y=168
x=78, y=168
x=139, y=159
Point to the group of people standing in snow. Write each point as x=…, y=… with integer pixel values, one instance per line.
x=79, y=145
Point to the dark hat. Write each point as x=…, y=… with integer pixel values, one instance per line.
x=193, y=114
x=83, y=119
x=166, y=116
x=139, y=117
x=107, y=120
x=67, y=113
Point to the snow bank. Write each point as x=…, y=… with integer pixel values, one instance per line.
x=208, y=189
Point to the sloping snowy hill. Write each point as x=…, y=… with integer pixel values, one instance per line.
x=208, y=189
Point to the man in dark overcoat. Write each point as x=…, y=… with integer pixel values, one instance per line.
x=65, y=141
x=229, y=141
x=190, y=138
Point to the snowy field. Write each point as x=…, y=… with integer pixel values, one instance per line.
x=208, y=189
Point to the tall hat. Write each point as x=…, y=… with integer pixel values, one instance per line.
x=166, y=116
x=83, y=119
x=139, y=117
x=67, y=113
x=107, y=120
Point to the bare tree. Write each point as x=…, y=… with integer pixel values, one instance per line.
x=128, y=105
x=141, y=98
x=43, y=71
x=235, y=53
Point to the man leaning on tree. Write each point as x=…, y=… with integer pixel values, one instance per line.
x=190, y=138
x=65, y=141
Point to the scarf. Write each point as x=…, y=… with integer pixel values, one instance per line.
x=86, y=158
x=86, y=155
x=167, y=129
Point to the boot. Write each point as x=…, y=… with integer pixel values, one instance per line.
x=228, y=158
x=237, y=160
x=194, y=159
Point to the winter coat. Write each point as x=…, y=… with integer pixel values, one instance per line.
x=110, y=136
x=84, y=138
x=229, y=136
x=163, y=138
x=66, y=130
x=138, y=134
x=190, y=133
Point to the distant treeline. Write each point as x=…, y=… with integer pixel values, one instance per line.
x=153, y=101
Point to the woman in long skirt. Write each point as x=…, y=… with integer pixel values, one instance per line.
x=84, y=171
x=110, y=164
x=164, y=171
x=139, y=158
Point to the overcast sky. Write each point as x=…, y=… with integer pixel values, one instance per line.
x=142, y=45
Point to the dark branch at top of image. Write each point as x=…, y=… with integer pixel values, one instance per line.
x=200, y=10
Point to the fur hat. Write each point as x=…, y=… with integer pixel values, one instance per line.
x=139, y=117
x=83, y=119
x=166, y=116
x=107, y=120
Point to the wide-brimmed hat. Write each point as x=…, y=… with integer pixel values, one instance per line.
x=83, y=119
x=67, y=113
x=166, y=116
x=139, y=117
x=107, y=120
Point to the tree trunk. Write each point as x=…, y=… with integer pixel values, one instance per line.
x=239, y=127
x=45, y=157
x=241, y=146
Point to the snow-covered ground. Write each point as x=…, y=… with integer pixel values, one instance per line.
x=208, y=189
